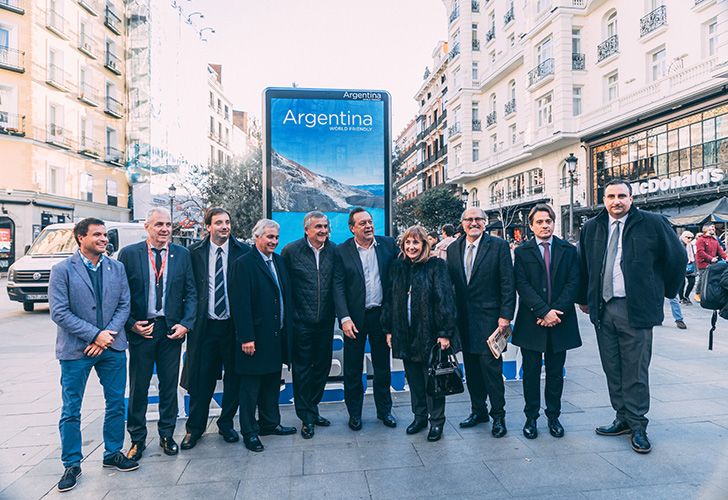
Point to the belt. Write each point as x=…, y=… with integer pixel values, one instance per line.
x=373, y=308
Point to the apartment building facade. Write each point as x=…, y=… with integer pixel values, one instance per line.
x=407, y=183
x=220, y=133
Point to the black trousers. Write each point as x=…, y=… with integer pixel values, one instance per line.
x=424, y=406
x=554, y=387
x=217, y=348
x=312, y=352
x=259, y=392
x=353, y=366
x=165, y=353
x=625, y=353
x=484, y=377
x=689, y=284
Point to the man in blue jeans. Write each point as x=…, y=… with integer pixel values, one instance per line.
x=677, y=313
x=89, y=300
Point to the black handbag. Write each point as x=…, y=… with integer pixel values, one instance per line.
x=443, y=373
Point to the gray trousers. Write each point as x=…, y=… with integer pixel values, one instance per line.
x=625, y=353
x=423, y=405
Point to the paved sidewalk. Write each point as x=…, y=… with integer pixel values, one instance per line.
x=688, y=430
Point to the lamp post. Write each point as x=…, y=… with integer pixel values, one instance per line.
x=571, y=161
x=464, y=197
x=172, y=192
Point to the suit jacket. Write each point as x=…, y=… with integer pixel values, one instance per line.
x=180, y=297
x=200, y=254
x=653, y=263
x=73, y=305
x=491, y=293
x=349, y=287
x=533, y=303
x=255, y=307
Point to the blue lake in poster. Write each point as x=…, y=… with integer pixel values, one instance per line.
x=326, y=155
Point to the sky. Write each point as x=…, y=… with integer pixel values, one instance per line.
x=372, y=44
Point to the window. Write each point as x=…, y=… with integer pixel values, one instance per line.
x=212, y=100
x=455, y=79
x=576, y=40
x=711, y=37
x=86, y=186
x=612, y=82
x=512, y=90
x=511, y=40
x=475, y=110
x=611, y=24
x=654, y=4
x=475, y=71
x=476, y=151
x=493, y=103
x=494, y=143
x=212, y=154
x=544, y=111
x=541, y=5
x=492, y=56
x=657, y=64
x=54, y=180
x=212, y=125
x=4, y=38
x=111, y=193
x=458, y=155
x=474, y=201
x=576, y=101
x=543, y=50
x=512, y=134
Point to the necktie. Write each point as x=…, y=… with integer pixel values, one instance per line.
x=607, y=285
x=278, y=284
x=547, y=262
x=159, y=288
x=220, y=307
x=469, y=261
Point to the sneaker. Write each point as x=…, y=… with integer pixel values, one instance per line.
x=681, y=325
x=69, y=478
x=119, y=462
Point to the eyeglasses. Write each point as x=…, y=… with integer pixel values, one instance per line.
x=474, y=219
x=689, y=237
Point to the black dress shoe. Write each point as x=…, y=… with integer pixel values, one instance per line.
x=499, y=427
x=355, y=423
x=253, y=443
x=307, y=431
x=389, y=420
x=322, y=422
x=416, y=426
x=168, y=445
x=435, y=433
x=615, y=429
x=473, y=420
x=135, y=451
x=529, y=429
x=555, y=428
x=189, y=441
x=279, y=430
x=640, y=443
x=229, y=435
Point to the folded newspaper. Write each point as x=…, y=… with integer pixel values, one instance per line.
x=498, y=340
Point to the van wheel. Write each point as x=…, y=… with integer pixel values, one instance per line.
x=28, y=306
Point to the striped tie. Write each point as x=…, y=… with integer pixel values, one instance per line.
x=220, y=306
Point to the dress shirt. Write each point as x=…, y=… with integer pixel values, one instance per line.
x=90, y=265
x=211, y=261
x=151, y=302
x=272, y=267
x=372, y=280
x=475, y=244
x=316, y=251
x=617, y=275
x=550, y=241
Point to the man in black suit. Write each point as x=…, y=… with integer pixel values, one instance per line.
x=630, y=262
x=361, y=283
x=310, y=264
x=261, y=305
x=163, y=308
x=482, y=271
x=547, y=281
x=211, y=345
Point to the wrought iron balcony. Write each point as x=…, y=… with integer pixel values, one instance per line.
x=491, y=118
x=111, y=20
x=653, y=20
x=510, y=107
x=454, y=129
x=58, y=136
x=490, y=35
x=113, y=107
x=564, y=181
x=476, y=44
x=88, y=94
x=114, y=156
x=578, y=61
x=13, y=6
x=608, y=47
x=477, y=126
x=113, y=63
x=85, y=45
x=541, y=71
x=475, y=6
x=509, y=15
x=58, y=78
x=91, y=6
x=11, y=124
x=89, y=147
x=454, y=52
x=12, y=59
x=454, y=14
x=56, y=23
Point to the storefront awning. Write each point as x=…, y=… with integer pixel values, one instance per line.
x=715, y=211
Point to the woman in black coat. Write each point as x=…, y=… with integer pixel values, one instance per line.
x=420, y=313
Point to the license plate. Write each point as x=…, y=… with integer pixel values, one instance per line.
x=37, y=296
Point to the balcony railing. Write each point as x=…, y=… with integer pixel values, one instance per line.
x=541, y=71
x=454, y=129
x=653, y=20
x=113, y=107
x=12, y=59
x=578, y=61
x=58, y=136
x=12, y=124
x=454, y=52
x=698, y=2
x=88, y=94
x=113, y=63
x=476, y=44
x=56, y=23
x=114, y=156
x=477, y=126
x=564, y=181
x=454, y=14
x=490, y=35
x=491, y=118
x=89, y=147
x=510, y=107
x=475, y=6
x=509, y=16
x=607, y=48
x=13, y=6
x=112, y=21
x=85, y=44
x=91, y=6
x=58, y=78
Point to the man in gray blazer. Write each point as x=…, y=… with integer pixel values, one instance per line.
x=89, y=301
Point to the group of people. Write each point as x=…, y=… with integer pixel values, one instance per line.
x=246, y=311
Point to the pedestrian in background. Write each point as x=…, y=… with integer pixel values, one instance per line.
x=691, y=270
x=89, y=301
x=433, y=239
x=448, y=236
x=707, y=251
x=418, y=314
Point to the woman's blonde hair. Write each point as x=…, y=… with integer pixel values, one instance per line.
x=687, y=233
x=417, y=233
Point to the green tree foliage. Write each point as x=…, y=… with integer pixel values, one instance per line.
x=432, y=209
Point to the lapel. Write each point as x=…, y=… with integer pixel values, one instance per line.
x=144, y=266
x=80, y=268
x=480, y=255
x=461, y=259
x=263, y=266
x=106, y=277
x=634, y=216
x=557, y=254
x=379, y=250
x=532, y=246
x=279, y=271
x=355, y=257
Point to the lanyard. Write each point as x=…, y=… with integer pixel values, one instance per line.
x=158, y=273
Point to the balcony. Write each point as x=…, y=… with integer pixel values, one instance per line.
x=89, y=147
x=475, y=6
x=454, y=129
x=86, y=45
x=541, y=71
x=490, y=35
x=509, y=16
x=13, y=6
x=454, y=14
x=510, y=107
x=564, y=181
x=113, y=63
x=12, y=59
x=88, y=94
x=91, y=6
x=491, y=119
x=477, y=126
x=578, y=61
x=653, y=20
x=56, y=23
x=607, y=48
x=58, y=78
x=58, y=136
x=113, y=107
x=114, y=156
x=476, y=44
x=112, y=21
x=12, y=124
x=454, y=52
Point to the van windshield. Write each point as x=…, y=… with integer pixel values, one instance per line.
x=54, y=242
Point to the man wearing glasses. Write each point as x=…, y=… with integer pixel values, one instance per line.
x=485, y=293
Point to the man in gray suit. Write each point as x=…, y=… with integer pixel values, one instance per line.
x=89, y=301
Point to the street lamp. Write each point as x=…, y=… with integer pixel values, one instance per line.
x=172, y=192
x=571, y=161
x=464, y=197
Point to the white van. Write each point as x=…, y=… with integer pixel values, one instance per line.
x=28, y=276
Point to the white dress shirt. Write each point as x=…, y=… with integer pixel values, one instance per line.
x=152, y=299
x=316, y=251
x=617, y=275
x=372, y=280
x=211, y=262
x=475, y=245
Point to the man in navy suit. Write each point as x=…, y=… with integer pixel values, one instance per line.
x=163, y=309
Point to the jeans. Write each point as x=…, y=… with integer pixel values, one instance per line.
x=675, y=308
x=111, y=369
